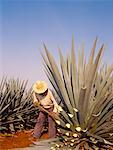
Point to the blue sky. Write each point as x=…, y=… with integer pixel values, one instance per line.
x=26, y=24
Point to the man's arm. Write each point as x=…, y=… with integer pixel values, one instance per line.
x=35, y=100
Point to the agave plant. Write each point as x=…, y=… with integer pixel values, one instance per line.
x=16, y=108
x=85, y=89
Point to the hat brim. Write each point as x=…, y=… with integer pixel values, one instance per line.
x=40, y=91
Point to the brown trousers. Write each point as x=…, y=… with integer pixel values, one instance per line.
x=40, y=121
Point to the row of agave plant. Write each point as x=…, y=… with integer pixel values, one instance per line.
x=85, y=90
x=16, y=108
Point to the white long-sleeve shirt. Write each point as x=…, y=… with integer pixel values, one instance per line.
x=47, y=101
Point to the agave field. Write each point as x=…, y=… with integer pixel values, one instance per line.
x=16, y=108
x=85, y=89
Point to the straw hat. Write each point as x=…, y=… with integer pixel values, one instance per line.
x=40, y=87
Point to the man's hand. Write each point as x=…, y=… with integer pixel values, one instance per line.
x=36, y=103
x=54, y=114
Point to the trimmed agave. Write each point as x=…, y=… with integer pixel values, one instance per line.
x=85, y=90
x=16, y=108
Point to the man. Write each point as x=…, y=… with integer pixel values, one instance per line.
x=44, y=97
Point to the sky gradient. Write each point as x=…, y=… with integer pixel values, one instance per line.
x=25, y=25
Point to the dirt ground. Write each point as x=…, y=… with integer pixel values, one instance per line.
x=18, y=140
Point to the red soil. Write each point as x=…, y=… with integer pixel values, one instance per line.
x=17, y=140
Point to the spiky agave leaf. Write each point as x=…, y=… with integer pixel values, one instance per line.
x=86, y=93
x=16, y=107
